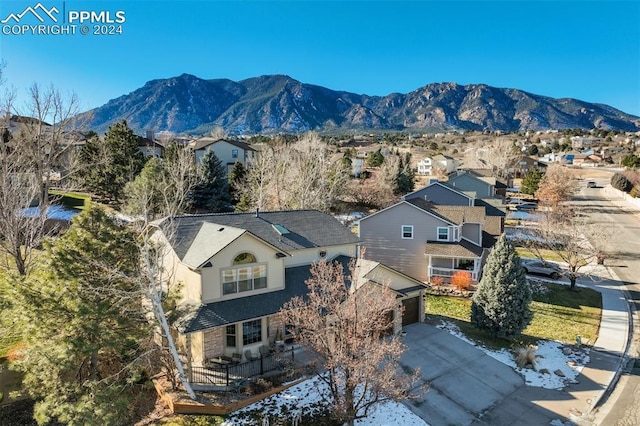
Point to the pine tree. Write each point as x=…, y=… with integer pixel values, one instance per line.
x=211, y=194
x=501, y=303
x=236, y=180
x=531, y=181
x=111, y=164
x=84, y=324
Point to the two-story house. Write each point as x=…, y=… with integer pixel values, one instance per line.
x=433, y=232
x=228, y=151
x=236, y=270
x=431, y=165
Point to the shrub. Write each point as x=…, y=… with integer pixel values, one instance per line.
x=621, y=182
x=635, y=192
x=436, y=281
x=526, y=356
x=461, y=280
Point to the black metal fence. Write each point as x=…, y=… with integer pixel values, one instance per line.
x=219, y=374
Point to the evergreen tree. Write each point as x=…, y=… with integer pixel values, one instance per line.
x=236, y=180
x=620, y=181
x=531, y=181
x=84, y=325
x=144, y=193
x=211, y=194
x=109, y=165
x=405, y=177
x=375, y=159
x=501, y=303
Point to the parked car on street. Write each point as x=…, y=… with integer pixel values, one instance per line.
x=591, y=184
x=539, y=267
x=527, y=206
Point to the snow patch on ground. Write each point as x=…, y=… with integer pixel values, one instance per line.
x=550, y=359
x=307, y=396
x=349, y=218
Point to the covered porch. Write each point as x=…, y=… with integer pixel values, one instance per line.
x=444, y=260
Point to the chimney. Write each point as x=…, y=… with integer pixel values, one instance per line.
x=151, y=135
x=257, y=212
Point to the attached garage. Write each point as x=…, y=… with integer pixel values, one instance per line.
x=411, y=312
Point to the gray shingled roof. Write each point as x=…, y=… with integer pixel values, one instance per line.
x=206, y=141
x=460, y=249
x=217, y=314
x=453, y=214
x=307, y=229
x=490, y=209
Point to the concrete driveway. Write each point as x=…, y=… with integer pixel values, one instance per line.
x=464, y=383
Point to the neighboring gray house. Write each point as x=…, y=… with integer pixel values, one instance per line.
x=483, y=187
x=228, y=151
x=424, y=240
x=442, y=193
x=434, y=231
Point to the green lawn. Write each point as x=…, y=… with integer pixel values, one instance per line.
x=546, y=254
x=560, y=315
x=75, y=200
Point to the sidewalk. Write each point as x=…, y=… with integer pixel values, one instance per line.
x=609, y=352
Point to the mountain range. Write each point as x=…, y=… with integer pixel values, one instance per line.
x=278, y=103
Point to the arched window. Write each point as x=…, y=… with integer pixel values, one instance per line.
x=244, y=275
x=244, y=258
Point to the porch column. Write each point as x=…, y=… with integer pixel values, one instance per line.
x=476, y=268
x=189, y=369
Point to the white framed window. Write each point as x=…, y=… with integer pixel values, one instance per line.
x=244, y=278
x=234, y=153
x=407, y=232
x=443, y=234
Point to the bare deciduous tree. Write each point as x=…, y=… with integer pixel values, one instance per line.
x=345, y=327
x=558, y=185
x=32, y=153
x=575, y=241
x=497, y=155
x=296, y=175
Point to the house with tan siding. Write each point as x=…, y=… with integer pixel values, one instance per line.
x=236, y=270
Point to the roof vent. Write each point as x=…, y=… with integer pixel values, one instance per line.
x=221, y=229
x=281, y=230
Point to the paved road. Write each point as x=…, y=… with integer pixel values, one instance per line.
x=623, y=228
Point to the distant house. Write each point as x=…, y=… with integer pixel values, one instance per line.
x=238, y=269
x=483, y=187
x=149, y=147
x=430, y=166
x=228, y=151
x=526, y=164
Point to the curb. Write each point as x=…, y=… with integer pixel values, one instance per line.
x=624, y=358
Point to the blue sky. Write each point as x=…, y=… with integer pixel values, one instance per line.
x=589, y=50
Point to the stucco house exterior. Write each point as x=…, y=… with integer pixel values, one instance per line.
x=228, y=151
x=236, y=270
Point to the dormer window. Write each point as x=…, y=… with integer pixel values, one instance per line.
x=247, y=276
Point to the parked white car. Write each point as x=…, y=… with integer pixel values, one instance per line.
x=539, y=267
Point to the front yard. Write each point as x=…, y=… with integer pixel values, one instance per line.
x=558, y=314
